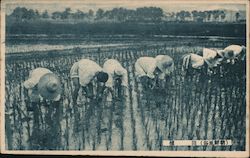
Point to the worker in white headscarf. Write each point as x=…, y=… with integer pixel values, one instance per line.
x=85, y=73
x=234, y=60
x=145, y=70
x=166, y=65
x=212, y=57
x=233, y=53
x=44, y=88
x=213, y=60
x=148, y=69
x=42, y=84
x=118, y=76
x=191, y=62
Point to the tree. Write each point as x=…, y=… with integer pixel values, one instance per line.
x=188, y=15
x=37, y=14
x=90, y=13
x=99, y=13
x=66, y=13
x=216, y=14
x=30, y=14
x=237, y=16
x=172, y=15
x=157, y=13
x=131, y=14
x=78, y=14
x=107, y=14
x=149, y=14
x=119, y=14
x=222, y=15
x=19, y=13
x=23, y=13
x=209, y=15
x=140, y=14
x=194, y=15
x=202, y=16
x=56, y=15
x=182, y=15
x=45, y=14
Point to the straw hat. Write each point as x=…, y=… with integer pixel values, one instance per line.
x=49, y=86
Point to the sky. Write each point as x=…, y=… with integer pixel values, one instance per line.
x=107, y=5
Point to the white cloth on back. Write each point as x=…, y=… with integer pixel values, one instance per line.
x=113, y=67
x=145, y=66
x=235, y=48
x=87, y=70
x=35, y=76
x=209, y=56
x=74, y=71
x=33, y=80
x=166, y=64
x=196, y=61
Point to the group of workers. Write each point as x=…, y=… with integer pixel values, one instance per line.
x=213, y=58
x=44, y=84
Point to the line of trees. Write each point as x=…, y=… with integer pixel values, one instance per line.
x=201, y=16
x=143, y=14
x=116, y=14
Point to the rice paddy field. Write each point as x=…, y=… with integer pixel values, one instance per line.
x=192, y=107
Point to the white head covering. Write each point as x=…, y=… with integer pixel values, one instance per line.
x=238, y=51
x=145, y=66
x=87, y=71
x=197, y=61
x=113, y=67
x=231, y=52
x=209, y=57
x=235, y=48
x=165, y=63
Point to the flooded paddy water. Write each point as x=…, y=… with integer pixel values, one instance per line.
x=190, y=108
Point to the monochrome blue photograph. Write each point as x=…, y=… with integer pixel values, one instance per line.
x=125, y=76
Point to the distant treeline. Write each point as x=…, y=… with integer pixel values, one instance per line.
x=142, y=14
x=163, y=28
x=116, y=14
